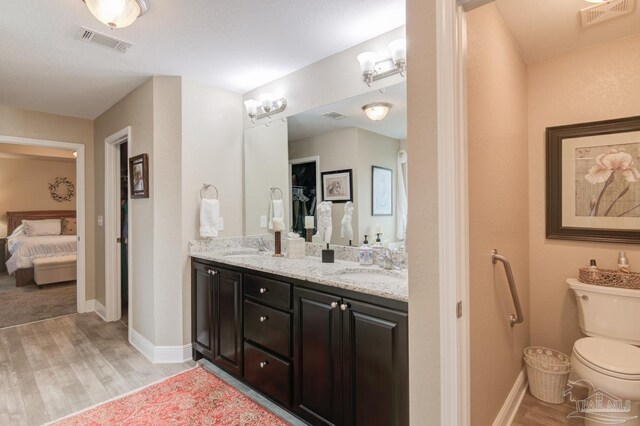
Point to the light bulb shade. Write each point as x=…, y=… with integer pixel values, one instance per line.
x=117, y=13
x=266, y=101
x=251, y=107
x=376, y=111
x=398, y=50
x=367, y=61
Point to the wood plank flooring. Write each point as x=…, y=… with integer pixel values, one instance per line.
x=52, y=368
x=533, y=412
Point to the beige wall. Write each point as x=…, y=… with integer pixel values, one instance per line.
x=211, y=152
x=135, y=110
x=596, y=83
x=498, y=208
x=424, y=295
x=37, y=125
x=25, y=186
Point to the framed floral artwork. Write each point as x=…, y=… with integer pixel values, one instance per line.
x=593, y=181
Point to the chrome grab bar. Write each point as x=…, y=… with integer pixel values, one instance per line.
x=518, y=317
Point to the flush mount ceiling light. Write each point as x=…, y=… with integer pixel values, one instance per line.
x=265, y=107
x=376, y=111
x=117, y=13
x=374, y=69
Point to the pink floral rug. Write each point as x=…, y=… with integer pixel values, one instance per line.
x=195, y=397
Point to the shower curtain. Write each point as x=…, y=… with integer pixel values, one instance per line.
x=401, y=199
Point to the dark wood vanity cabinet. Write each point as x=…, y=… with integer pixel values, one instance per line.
x=216, y=325
x=351, y=361
x=331, y=356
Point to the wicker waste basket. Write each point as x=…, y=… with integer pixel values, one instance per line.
x=548, y=372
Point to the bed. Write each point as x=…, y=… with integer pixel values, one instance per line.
x=23, y=250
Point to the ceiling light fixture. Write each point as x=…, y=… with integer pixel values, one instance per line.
x=374, y=69
x=117, y=13
x=377, y=111
x=265, y=107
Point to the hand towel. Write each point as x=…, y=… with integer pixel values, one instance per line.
x=276, y=209
x=209, y=214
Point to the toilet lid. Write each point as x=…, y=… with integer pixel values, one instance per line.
x=610, y=355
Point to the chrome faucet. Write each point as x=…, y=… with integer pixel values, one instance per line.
x=262, y=246
x=387, y=261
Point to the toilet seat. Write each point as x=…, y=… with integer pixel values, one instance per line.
x=609, y=357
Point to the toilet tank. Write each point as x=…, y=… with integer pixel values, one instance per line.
x=608, y=312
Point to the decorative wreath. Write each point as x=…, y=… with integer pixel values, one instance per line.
x=66, y=193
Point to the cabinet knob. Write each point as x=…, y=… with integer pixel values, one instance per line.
x=264, y=290
x=263, y=364
x=212, y=272
x=344, y=306
x=334, y=305
x=264, y=318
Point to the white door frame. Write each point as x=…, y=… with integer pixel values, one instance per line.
x=313, y=159
x=81, y=280
x=112, y=253
x=453, y=212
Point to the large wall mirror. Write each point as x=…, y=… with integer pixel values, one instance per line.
x=338, y=164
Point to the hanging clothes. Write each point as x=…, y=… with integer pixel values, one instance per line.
x=402, y=205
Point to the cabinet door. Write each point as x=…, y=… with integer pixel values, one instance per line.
x=375, y=354
x=201, y=302
x=227, y=320
x=317, y=357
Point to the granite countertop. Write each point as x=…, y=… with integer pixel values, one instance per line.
x=373, y=280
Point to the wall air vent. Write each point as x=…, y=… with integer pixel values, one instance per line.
x=334, y=115
x=603, y=12
x=91, y=36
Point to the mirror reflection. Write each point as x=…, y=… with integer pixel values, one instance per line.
x=347, y=168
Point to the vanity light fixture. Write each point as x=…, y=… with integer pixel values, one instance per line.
x=266, y=106
x=374, y=69
x=117, y=13
x=376, y=111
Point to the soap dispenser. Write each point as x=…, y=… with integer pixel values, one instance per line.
x=365, y=254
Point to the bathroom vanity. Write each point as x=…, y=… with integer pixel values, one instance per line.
x=327, y=342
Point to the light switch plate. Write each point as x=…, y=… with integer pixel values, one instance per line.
x=263, y=221
x=220, y=223
x=100, y=221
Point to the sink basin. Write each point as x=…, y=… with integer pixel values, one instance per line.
x=371, y=275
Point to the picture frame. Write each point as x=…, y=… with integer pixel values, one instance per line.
x=593, y=181
x=139, y=176
x=381, y=191
x=337, y=186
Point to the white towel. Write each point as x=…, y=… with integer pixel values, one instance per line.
x=276, y=209
x=209, y=214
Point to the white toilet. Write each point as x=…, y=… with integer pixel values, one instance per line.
x=610, y=357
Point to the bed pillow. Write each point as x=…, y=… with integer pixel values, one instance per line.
x=35, y=228
x=69, y=226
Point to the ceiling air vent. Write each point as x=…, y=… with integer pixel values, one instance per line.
x=85, y=34
x=605, y=11
x=334, y=115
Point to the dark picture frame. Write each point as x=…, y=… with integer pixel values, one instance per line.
x=139, y=176
x=381, y=191
x=592, y=169
x=337, y=185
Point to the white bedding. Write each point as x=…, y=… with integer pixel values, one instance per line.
x=25, y=249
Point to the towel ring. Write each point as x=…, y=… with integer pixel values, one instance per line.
x=205, y=187
x=274, y=189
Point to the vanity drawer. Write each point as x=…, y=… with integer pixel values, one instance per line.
x=268, y=373
x=268, y=327
x=271, y=292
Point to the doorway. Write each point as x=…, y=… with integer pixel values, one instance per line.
x=304, y=174
x=123, y=150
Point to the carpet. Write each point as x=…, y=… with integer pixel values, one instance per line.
x=21, y=305
x=195, y=397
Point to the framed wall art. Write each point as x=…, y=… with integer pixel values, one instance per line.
x=593, y=181
x=337, y=186
x=381, y=191
x=139, y=176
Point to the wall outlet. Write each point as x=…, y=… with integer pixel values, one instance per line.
x=263, y=221
x=220, y=223
x=100, y=220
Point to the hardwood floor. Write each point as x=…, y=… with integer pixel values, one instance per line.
x=533, y=412
x=52, y=368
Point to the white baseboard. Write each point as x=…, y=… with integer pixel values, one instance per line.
x=512, y=403
x=101, y=310
x=89, y=305
x=159, y=354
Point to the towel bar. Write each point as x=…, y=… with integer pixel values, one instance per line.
x=207, y=186
x=274, y=189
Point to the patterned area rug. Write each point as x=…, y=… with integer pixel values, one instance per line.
x=195, y=397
